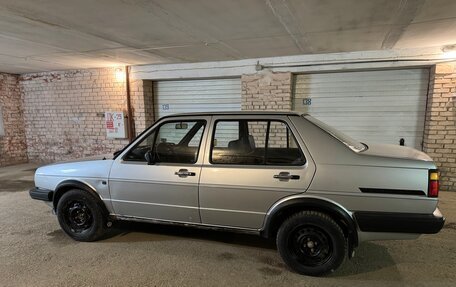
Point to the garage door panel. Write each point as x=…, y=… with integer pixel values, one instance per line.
x=374, y=84
x=372, y=106
x=371, y=94
x=334, y=99
x=210, y=90
x=202, y=108
x=352, y=89
x=202, y=95
x=178, y=101
x=332, y=110
x=384, y=75
x=186, y=96
x=361, y=103
x=373, y=125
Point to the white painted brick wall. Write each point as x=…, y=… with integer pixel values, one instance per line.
x=64, y=112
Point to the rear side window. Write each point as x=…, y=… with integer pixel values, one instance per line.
x=254, y=142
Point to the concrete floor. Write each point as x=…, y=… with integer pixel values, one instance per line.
x=35, y=252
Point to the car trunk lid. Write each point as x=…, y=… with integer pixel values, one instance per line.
x=395, y=151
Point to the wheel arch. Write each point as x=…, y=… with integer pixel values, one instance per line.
x=283, y=209
x=67, y=185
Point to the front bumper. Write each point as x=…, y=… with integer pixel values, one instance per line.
x=369, y=221
x=41, y=194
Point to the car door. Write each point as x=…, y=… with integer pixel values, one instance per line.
x=167, y=189
x=251, y=162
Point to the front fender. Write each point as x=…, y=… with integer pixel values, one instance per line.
x=69, y=184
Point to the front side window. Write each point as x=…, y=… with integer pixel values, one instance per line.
x=173, y=142
x=254, y=142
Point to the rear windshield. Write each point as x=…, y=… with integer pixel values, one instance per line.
x=353, y=144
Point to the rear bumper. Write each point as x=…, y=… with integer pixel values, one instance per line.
x=400, y=222
x=41, y=194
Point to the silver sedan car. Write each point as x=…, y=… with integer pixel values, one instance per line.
x=283, y=175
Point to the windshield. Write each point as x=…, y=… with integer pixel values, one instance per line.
x=353, y=144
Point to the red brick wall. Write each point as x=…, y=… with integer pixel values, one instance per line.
x=440, y=129
x=13, y=149
x=64, y=112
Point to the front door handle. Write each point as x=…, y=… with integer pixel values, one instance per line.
x=184, y=173
x=284, y=176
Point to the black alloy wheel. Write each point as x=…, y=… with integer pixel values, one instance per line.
x=78, y=216
x=310, y=245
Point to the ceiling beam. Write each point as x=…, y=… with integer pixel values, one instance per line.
x=405, y=13
x=281, y=10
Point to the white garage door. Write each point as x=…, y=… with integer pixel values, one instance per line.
x=371, y=106
x=187, y=96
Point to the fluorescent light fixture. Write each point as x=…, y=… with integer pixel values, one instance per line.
x=120, y=75
x=449, y=52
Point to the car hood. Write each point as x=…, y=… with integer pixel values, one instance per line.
x=95, y=166
x=89, y=158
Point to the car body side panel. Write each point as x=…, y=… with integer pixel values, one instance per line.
x=341, y=173
x=345, y=183
x=237, y=195
x=375, y=202
x=228, y=197
x=155, y=191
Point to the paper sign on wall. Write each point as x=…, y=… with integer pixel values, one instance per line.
x=115, y=125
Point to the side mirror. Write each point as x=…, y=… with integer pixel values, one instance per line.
x=150, y=157
x=117, y=152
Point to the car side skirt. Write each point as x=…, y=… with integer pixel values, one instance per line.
x=187, y=224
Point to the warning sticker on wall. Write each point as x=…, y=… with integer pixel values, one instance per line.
x=115, y=125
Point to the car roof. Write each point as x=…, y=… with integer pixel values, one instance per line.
x=285, y=113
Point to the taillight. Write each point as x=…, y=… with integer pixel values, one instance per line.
x=433, y=190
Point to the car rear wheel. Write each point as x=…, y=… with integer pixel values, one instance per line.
x=80, y=215
x=311, y=243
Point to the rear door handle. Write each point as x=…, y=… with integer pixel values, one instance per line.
x=184, y=173
x=283, y=176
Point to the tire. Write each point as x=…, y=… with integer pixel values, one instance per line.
x=311, y=243
x=81, y=216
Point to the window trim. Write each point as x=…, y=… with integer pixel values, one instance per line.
x=157, y=128
x=265, y=164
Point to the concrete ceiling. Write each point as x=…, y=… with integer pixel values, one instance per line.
x=43, y=35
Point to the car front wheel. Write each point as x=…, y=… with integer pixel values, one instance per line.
x=80, y=216
x=311, y=243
